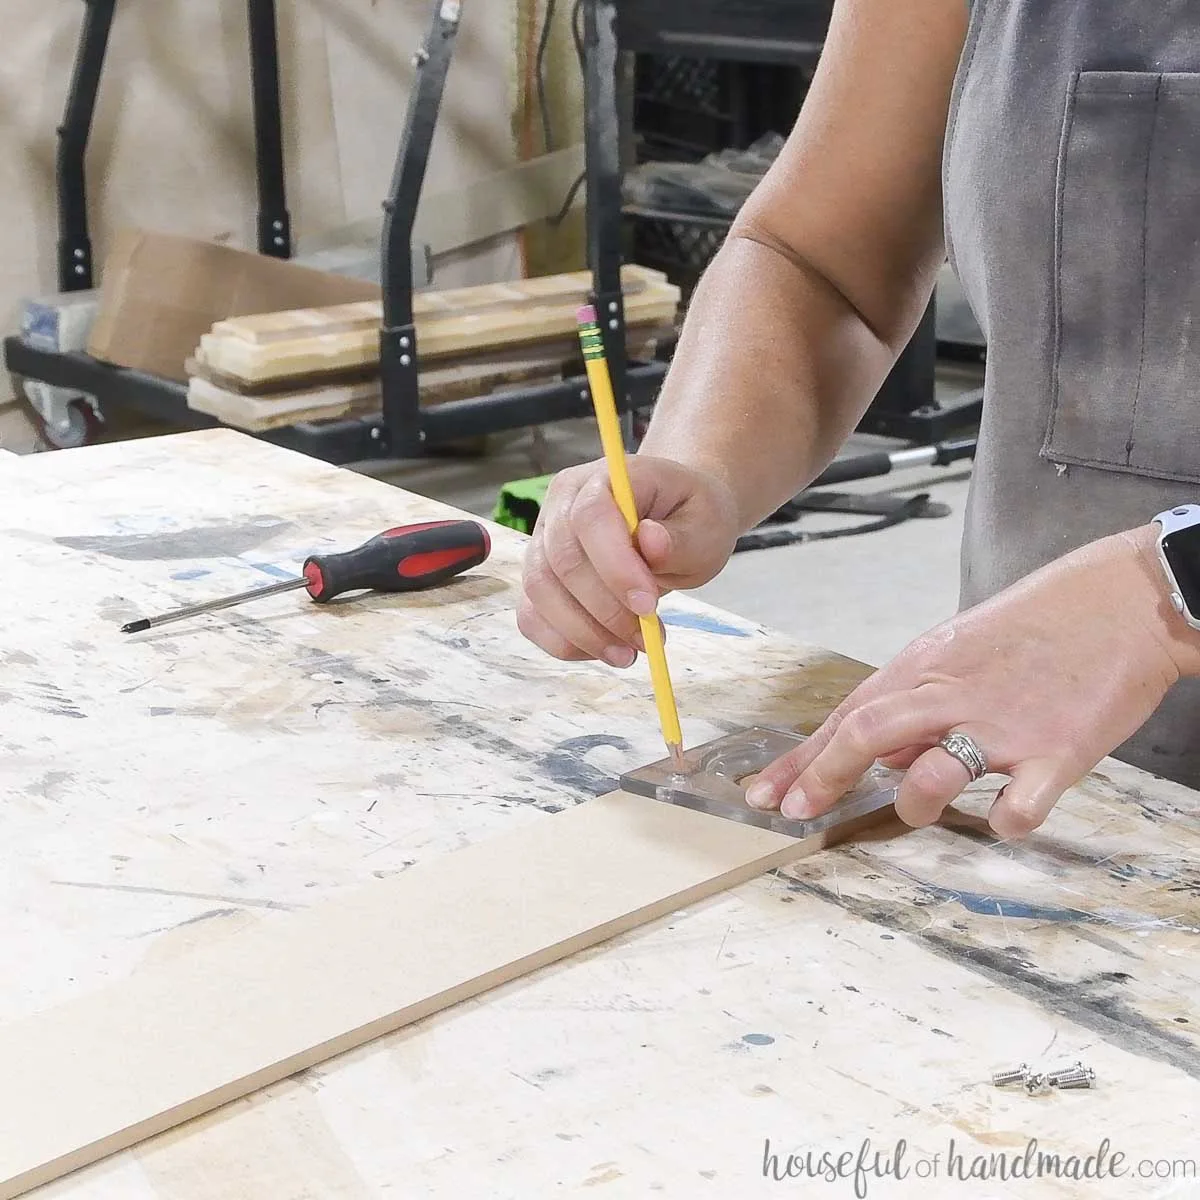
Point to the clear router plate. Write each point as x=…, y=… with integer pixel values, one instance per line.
x=711, y=782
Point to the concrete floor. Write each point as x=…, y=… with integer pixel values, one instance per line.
x=865, y=596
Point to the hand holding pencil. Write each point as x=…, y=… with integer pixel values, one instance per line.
x=588, y=580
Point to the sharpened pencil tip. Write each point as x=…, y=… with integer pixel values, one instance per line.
x=586, y=315
x=135, y=626
x=677, y=760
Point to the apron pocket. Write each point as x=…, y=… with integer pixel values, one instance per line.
x=1127, y=276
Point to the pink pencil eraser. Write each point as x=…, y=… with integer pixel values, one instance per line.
x=586, y=315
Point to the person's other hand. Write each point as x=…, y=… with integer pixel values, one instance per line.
x=1047, y=678
x=585, y=582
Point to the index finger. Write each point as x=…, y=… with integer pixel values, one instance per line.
x=774, y=780
x=868, y=733
x=598, y=523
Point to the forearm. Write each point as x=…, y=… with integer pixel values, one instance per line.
x=773, y=370
x=829, y=266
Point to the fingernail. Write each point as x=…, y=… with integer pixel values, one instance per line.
x=642, y=603
x=760, y=795
x=795, y=805
x=620, y=656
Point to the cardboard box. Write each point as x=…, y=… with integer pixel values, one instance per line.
x=159, y=293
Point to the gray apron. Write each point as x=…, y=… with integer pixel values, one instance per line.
x=1072, y=207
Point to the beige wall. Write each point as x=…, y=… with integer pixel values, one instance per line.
x=172, y=146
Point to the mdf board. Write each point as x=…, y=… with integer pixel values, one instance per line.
x=185, y=1036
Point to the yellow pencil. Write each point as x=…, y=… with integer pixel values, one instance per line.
x=618, y=472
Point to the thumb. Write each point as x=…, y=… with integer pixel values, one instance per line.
x=679, y=547
x=1025, y=802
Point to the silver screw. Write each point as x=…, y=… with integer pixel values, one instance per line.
x=405, y=360
x=1035, y=1085
x=404, y=343
x=1061, y=1072
x=276, y=224
x=1077, y=1079
x=614, y=324
x=1011, y=1075
x=612, y=306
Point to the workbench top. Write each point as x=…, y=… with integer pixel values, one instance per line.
x=166, y=789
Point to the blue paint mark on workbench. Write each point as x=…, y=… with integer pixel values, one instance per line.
x=274, y=571
x=705, y=622
x=758, y=1039
x=191, y=573
x=1004, y=906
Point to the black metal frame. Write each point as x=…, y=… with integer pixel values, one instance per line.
x=75, y=269
x=407, y=430
x=74, y=244
x=274, y=222
x=403, y=430
x=602, y=145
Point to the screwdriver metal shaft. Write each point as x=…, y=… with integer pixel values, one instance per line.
x=194, y=610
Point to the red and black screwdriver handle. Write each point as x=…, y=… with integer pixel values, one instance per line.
x=405, y=559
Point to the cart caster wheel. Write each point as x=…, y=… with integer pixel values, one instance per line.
x=78, y=425
x=78, y=429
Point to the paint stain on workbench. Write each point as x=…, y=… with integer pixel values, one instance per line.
x=222, y=539
x=566, y=765
x=54, y=702
x=1004, y=906
x=609, y=1173
x=704, y=622
x=1094, y=1004
x=758, y=1039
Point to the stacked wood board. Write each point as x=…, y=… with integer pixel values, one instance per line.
x=259, y=372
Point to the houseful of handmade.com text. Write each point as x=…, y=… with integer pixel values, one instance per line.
x=869, y=1163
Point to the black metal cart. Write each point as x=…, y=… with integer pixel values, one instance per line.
x=402, y=429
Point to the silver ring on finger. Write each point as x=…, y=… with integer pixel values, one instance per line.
x=964, y=748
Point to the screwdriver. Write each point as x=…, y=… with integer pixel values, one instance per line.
x=407, y=558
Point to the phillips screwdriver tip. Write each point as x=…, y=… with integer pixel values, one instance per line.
x=135, y=626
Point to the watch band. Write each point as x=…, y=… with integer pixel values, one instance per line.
x=1183, y=517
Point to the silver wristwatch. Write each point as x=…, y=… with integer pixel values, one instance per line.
x=1179, y=553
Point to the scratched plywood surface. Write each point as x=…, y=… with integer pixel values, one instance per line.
x=165, y=792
